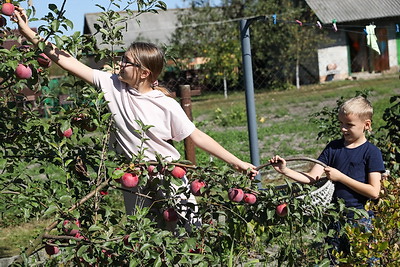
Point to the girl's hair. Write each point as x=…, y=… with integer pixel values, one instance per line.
x=359, y=106
x=151, y=58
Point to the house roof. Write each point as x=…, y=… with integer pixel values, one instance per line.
x=155, y=28
x=354, y=10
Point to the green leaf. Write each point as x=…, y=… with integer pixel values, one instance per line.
x=104, y=31
x=94, y=228
x=158, y=262
x=50, y=210
x=69, y=23
x=65, y=199
x=55, y=25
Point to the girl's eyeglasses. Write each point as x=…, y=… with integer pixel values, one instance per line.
x=125, y=63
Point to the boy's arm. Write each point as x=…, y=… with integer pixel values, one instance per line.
x=370, y=190
x=62, y=58
x=310, y=177
x=208, y=144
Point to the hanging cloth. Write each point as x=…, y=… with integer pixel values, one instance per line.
x=371, y=38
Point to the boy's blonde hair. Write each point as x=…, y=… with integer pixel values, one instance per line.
x=359, y=106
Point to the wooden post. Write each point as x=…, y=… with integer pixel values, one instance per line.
x=186, y=103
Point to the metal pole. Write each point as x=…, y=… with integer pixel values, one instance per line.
x=249, y=86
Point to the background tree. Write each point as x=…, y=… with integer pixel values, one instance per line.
x=279, y=51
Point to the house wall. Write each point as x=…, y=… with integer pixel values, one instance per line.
x=393, y=48
x=333, y=60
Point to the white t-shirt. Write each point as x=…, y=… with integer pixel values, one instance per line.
x=153, y=108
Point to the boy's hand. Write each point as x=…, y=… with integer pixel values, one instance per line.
x=278, y=163
x=333, y=174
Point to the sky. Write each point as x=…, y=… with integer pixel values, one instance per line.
x=76, y=9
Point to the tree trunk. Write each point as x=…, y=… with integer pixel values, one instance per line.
x=297, y=73
x=225, y=87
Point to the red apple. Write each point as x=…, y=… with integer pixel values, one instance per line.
x=3, y=21
x=7, y=9
x=51, y=250
x=195, y=187
x=23, y=72
x=170, y=215
x=69, y=228
x=249, y=198
x=178, y=172
x=67, y=133
x=126, y=240
x=235, y=194
x=78, y=235
x=107, y=253
x=282, y=210
x=104, y=193
x=151, y=170
x=43, y=60
x=129, y=180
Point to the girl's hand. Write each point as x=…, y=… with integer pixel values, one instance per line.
x=246, y=167
x=278, y=163
x=21, y=19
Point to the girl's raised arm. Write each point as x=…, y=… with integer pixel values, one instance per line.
x=61, y=58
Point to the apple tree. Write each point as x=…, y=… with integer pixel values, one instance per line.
x=61, y=168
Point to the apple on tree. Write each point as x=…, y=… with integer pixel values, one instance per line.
x=67, y=133
x=69, y=228
x=151, y=169
x=7, y=9
x=43, y=60
x=235, y=194
x=170, y=215
x=249, y=198
x=129, y=180
x=282, y=210
x=51, y=250
x=3, y=21
x=23, y=72
x=178, y=172
x=196, y=186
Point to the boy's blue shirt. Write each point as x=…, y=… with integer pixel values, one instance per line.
x=356, y=163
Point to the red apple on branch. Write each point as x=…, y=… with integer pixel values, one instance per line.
x=151, y=169
x=43, y=60
x=249, y=198
x=129, y=180
x=178, y=172
x=67, y=133
x=235, y=194
x=23, y=72
x=3, y=21
x=69, y=228
x=282, y=210
x=7, y=9
x=196, y=186
x=170, y=215
x=51, y=250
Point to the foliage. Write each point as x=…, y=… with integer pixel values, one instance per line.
x=86, y=179
x=216, y=43
x=212, y=33
x=235, y=117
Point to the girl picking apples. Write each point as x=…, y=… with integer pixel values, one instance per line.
x=134, y=95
